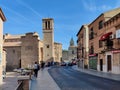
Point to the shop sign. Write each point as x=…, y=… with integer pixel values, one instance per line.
x=92, y=55
x=116, y=51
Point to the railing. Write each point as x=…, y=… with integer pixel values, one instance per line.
x=20, y=86
x=23, y=83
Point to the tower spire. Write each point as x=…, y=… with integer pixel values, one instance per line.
x=72, y=42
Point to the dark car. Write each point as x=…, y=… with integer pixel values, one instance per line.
x=63, y=64
x=74, y=63
x=70, y=64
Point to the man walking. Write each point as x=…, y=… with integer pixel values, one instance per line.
x=36, y=68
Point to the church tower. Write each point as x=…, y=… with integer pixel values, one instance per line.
x=48, y=39
x=71, y=42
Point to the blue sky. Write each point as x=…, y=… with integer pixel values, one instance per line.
x=26, y=16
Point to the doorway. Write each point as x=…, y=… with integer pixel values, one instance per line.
x=109, y=63
x=101, y=64
x=20, y=63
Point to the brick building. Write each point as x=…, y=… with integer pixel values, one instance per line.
x=83, y=49
x=103, y=43
x=96, y=30
x=110, y=44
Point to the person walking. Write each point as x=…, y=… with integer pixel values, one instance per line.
x=42, y=65
x=36, y=69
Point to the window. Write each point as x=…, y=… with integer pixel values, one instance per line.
x=13, y=50
x=109, y=44
x=73, y=52
x=47, y=46
x=91, y=50
x=100, y=24
x=100, y=44
x=48, y=24
x=91, y=33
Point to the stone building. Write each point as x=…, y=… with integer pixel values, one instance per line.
x=72, y=50
x=71, y=53
x=24, y=50
x=65, y=55
x=48, y=39
x=58, y=52
x=12, y=45
x=2, y=52
x=29, y=49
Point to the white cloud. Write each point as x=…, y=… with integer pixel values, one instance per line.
x=90, y=5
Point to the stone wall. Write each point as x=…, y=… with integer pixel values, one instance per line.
x=13, y=57
x=29, y=49
x=57, y=52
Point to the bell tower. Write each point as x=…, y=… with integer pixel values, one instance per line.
x=48, y=39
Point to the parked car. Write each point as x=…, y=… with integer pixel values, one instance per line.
x=63, y=64
x=73, y=62
x=70, y=64
x=22, y=71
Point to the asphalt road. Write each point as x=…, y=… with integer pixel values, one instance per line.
x=69, y=79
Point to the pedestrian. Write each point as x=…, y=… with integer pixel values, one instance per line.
x=36, y=69
x=42, y=65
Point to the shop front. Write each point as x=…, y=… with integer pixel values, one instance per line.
x=93, y=58
x=116, y=61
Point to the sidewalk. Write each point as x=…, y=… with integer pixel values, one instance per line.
x=98, y=73
x=10, y=82
x=43, y=82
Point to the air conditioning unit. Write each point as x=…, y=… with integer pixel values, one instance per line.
x=112, y=36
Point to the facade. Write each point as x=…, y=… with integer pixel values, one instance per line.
x=82, y=46
x=110, y=53
x=72, y=50
x=65, y=55
x=24, y=50
x=71, y=53
x=29, y=49
x=103, y=43
x=57, y=52
x=96, y=30
x=2, y=19
x=12, y=45
x=48, y=39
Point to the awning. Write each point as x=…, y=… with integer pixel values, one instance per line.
x=105, y=36
x=92, y=55
x=116, y=51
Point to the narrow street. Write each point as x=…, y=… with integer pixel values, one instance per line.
x=69, y=79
